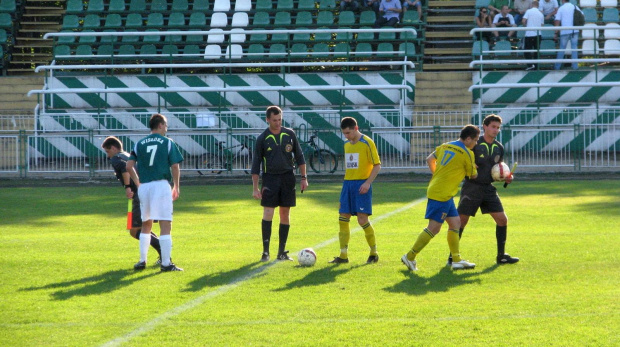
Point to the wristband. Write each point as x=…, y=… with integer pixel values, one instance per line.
x=127, y=186
x=304, y=177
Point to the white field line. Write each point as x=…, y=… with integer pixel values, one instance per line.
x=148, y=326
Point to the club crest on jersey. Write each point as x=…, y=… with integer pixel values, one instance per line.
x=496, y=159
x=288, y=148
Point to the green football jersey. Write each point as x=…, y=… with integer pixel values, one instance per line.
x=154, y=155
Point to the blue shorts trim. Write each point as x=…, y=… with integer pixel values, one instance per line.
x=440, y=210
x=352, y=202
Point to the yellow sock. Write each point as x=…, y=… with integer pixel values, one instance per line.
x=453, y=243
x=423, y=239
x=344, y=235
x=369, y=232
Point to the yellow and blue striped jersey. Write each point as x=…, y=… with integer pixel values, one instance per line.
x=454, y=162
x=359, y=158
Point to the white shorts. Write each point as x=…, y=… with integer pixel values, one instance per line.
x=156, y=200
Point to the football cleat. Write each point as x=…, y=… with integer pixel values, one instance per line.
x=284, y=256
x=264, y=257
x=141, y=265
x=158, y=262
x=170, y=267
x=449, y=262
x=410, y=264
x=506, y=259
x=338, y=260
x=462, y=265
x=372, y=259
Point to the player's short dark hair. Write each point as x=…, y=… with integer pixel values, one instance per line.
x=112, y=141
x=273, y=110
x=469, y=131
x=156, y=120
x=348, y=122
x=492, y=118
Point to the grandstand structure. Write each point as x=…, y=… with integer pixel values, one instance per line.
x=94, y=68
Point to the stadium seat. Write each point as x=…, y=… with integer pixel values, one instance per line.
x=74, y=7
x=221, y=6
x=407, y=35
x=304, y=18
x=408, y=48
x=137, y=6
x=502, y=46
x=130, y=38
x=234, y=52
x=320, y=51
x=264, y=5
x=387, y=36
x=84, y=50
x=590, y=15
x=589, y=33
x=151, y=38
x=299, y=51
x=612, y=47
x=262, y=38
x=363, y=50
x=301, y=37
x=105, y=50
x=170, y=50
x=411, y=17
x=368, y=18
x=133, y=21
x=346, y=18
x=240, y=19
x=60, y=40
x=113, y=21
x=344, y=36
x=590, y=47
x=62, y=50
x=327, y=4
x=478, y=48
x=587, y=3
x=8, y=6
x=385, y=50
x=283, y=37
x=610, y=15
x=155, y=20
x=325, y=18
x=92, y=21
x=197, y=20
x=159, y=5
x=215, y=36
x=219, y=20
x=173, y=38
x=342, y=49
x=6, y=21
x=237, y=37
x=95, y=6
x=200, y=5
x=482, y=3
x=191, y=51
x=243, y=5
x=546, y=48
x=306, y=5
x=324, y=36
x=547, y=34
x=180, y=5
x=70, y=21
x=609, y=3
x=284, y=5
x=194, y=38
x=213, y=52
x=148, y=50
x=87, y=39
x=176, y=20
x=260, y=19
x=277, y=51
x=366, y=36
x=612, y=31
x=256, y=51
x=126, y=50
x=282, y=18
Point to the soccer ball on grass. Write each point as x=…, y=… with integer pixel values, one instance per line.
x=306, y=257
x=500, y=172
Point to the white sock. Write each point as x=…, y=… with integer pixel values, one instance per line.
x=165, y=243
x=145, y=243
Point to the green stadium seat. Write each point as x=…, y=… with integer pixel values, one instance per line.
x=70, y=21
x=137, y=6
x=503, y=46
x=280, y=37
x=126, y=50
x=92, y=21
x=342, y=49
x=304, y=18
x=151, y=38
x=547, y=45
x=590, y=15
x=327, y=4
x=411, y=17
x=109, y=39
x=200, y=5
x=258, y=37
x=344, y=37
x=260, y=19
x=95, y=6
x=194, y=38
x=346, y=18
x=306, y=5
x=75, y=7
x=192, y=51
x=6, y=22
x=197, y=20
x=87, y=39
x=547, y=34
x=284, y=5
x=172, y=38
x=320, y=50
x=116, y=6
x=62, y=50
x=264, y=5
x=159, y=6
x=368, y=18
x=408, y=48
x=325, y=36
x=366, y=36
x=130, y=39
x=256, y=51
x=301, y=37
x=148, y=50
x=134, y=21
x=3, y=36
x=610, y=15
x=277, y=51
x=408, y=35
x=84, y=50
x=105, y=50
x=325, y=18
x=113, y=21
x=282, y=18
x=387, y=36
x=385, y=50
x=8, y=6
x=478, y=48
x=482, y=3
x=176, y=20
x=155, y=20
x=60, y=40
x=299, y=51
x=180, y=5
x=170, y=50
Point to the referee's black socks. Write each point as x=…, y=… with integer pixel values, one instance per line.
x=284, y=228
x=266, y=229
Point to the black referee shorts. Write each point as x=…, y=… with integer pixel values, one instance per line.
x=278, y=190
x=483, y=196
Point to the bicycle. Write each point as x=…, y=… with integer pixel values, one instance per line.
x=226, y=158
x=320, y=160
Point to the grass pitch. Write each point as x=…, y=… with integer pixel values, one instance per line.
x=67, y=277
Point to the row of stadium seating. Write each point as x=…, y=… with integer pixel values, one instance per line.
x=611, y=47
x=592, y=16
x=580, y=3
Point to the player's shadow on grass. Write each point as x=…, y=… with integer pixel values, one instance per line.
x=93, y=285
x=442, y=281
x=227, y=277
x=318, y=277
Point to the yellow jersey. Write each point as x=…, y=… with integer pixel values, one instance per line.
x=359, y=158
x=454, y=162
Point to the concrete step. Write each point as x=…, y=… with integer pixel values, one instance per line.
x=469, y=4
x=449, y=19
x=447, y=51
x=448, y=34
x=442, y=76
x=446, y=67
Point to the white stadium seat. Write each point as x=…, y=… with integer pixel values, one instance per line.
x=221, y=6
x=213, y=52
x=237, y=38
x=243, y=5
x=240, y=19
x=612, y=31
x=587, y=3
x=589, y=33
x=219, y=20
x=215, y=36
x=612, y=47
x=589, y=47
x=609, y=3
x=234, y=52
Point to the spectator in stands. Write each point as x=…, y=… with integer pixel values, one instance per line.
x=549, y=8
x=504, y=20
x=483, y=20
x=496, y=5
x=413, y=3
x=564, y=17
x=532, y=18
x=520, y=6
x=349, y=5
x=391, y=10
x=371, y=5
